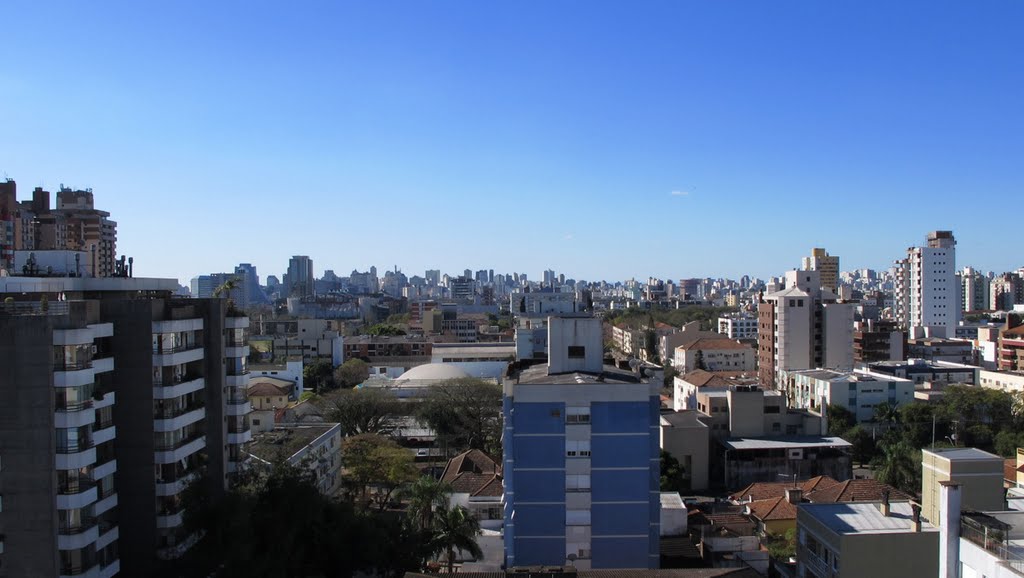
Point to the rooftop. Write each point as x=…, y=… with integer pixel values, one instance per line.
x=962, y=454
x=865, y=518
x=284, y=441
x=704, y=378
x=787, y=442
x=538, y=374
x=713, y=343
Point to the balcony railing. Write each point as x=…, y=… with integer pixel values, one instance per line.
x=72, y=365
x=178, y=444
x=237, y=399
x=237, y=429
x=78, y=527
x=175, y=349
x=172, y=412
x=63, y=406
x=82, y=484
x=234, y=372
x=994, y=541
x=76, y=569
x=160, y=381
x=106, y=493
x=74, y=448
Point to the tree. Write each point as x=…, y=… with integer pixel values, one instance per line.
x=1006, y=443
x=351, y=373
x=899, y=466
x=673, y=474
x=317, y=376
x=465, y=412
x=384, y=329
x=276, y=523
x=887, y=413
x=840, y=419
x=864, y=447
x=669, y=373
x=374, y=460
x=426, y=496
x=782, y=546
x=363, y=410
x=225, y=289
x=455, y=529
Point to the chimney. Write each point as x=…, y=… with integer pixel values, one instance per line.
x=915, y=517
x=949, y=529
x=794, y=495
x=884, y=506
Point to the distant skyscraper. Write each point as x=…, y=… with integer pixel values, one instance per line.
x=549, y=277
x=433, y=277
x=298, y=281
x=926, y=286
x=827, y=265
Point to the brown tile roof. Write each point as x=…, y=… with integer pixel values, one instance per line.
x=713, y=343
x=773, y=509
x=267, y=389
x=856, y=491
x=767, y=490
x=473, y=472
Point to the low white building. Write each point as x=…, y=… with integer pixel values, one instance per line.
x=290, y=371
x=1002, y=380
x=858, y=391
x=487, y=360
x=738, y=326
x=715, y=354
x=313, y=446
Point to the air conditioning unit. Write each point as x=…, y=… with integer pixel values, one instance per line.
x=94, y=349
x=797, y=454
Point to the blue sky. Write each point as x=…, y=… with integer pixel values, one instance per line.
x=521, y=136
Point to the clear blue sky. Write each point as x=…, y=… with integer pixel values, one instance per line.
x=520, y=136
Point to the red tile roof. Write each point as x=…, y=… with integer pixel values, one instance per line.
x=713, y=343
x=475, y=473
x=856, y=491
x=773, y=509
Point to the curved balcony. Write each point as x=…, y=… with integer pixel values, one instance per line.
x=168, y=454
x=75, y=457
x=241, y=437
x=173, y=420
x=77, y=494
x=238, y=408
x=181, y=386
x=79, y=535
x=81, y=571
x=177, y=355
x=167, y=519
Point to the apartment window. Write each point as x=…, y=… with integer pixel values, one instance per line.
x=577, y=517
x=577, y=352
x=577, y=449
x=577, y=483
x=577, y=415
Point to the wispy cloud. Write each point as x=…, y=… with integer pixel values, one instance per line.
x=568, y=237
x=680, y=193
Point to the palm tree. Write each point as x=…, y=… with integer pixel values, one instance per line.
x=455, y=529
x=225, y=289
x=427, y=495
x=897, y=466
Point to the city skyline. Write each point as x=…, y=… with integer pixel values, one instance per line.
x=671, y=140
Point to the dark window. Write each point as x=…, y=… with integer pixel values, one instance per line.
x=577, y=352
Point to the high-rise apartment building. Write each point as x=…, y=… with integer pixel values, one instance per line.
x=827, y=265
x=974, y=290
x=118, y=396
x=580, y=458
x=927, y=293
x=802, y=327
x=298, y=281
x=74, y=225
x=1005, y=291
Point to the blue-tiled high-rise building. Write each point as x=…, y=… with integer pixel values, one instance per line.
x=581, y=458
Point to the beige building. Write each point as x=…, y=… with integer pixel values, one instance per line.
x=865, y=539
x=979, y=473
x=687, y=439
x=827, y=265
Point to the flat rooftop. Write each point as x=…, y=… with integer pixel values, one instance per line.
x=963, y=454
x=865, y=518
x=283, y=442
x=785, y=443
x=538, y=374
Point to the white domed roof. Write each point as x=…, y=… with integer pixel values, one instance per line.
x=433, y=372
